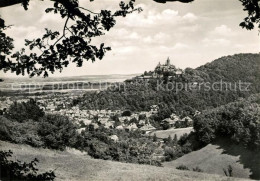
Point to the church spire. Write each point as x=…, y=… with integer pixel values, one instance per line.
x=168, y=62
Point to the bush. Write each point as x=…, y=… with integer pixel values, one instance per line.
x=23, y=133
x=16, y=170
x=172, y=153
x=127, y=113
x=229, y=171
x=26, y=133
x=182, y=167
x=5, y=133
x=197, y=169
x=57, y=131
x=25, y=110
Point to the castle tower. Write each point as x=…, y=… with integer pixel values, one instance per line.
x=168, y=62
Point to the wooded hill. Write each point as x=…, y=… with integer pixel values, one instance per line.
x=139, y=96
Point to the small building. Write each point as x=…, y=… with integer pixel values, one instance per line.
x=120, y=127
x=114, y=138
x=109, y=124
x=187, y=119
x=131, y=127
x=85, y=121
x=80, y=130
x=154, y=109
x=147, y=128
x=169, y=121
x=103, y=120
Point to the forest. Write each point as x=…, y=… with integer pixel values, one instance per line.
x=140, y=96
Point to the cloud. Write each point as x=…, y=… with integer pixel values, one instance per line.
x=216, y=42
x=134, y=36
x=180, y=46
x=122, y=34
x=222, y=30
x=20, y=33
x=190, y=17
x=126, y=50
x=160, y=38
x=152, y=17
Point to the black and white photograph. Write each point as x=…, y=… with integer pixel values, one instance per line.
x=129, y=90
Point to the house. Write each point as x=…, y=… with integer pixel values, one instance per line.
x=131, y=127
x=141, y=122
x=154, y=109
x=197, y=113
x=103, y=120
x=169, y=121
x=175, y=117
x=85, y=121
x=123, y=118
x=95, y=126
x=134, y=116
x=109, y=124
x=147, y=77
x=179, y=72
x=114, y=138
x=120, y=127
x=187, y=119
x=185, y=122
x=147, y=128
x=81, y=130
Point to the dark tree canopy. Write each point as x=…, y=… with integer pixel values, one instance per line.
x=253, y=9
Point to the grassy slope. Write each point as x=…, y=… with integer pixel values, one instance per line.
x=179, y=132
x=214, y=157
x=74, y=165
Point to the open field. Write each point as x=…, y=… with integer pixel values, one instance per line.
x=215, y=157
x=179, y=132
x=74, y=166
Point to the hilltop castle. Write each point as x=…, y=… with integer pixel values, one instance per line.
x=167, y=67
x=161, y=70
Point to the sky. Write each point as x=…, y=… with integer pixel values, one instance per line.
x=189, y=34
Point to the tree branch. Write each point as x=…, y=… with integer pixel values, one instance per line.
x=6, y=3
x=87, y=10
x=63, y=35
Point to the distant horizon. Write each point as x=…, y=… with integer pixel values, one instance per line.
x=65, y=76
x=13, y=76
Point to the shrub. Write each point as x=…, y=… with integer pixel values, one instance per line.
x=26, y=133
x=197, y=169
x=172, y=153
x=16, y=132
x=16, y=170
x=5, y=133
x=25, y=110
x=57, y=131
x=229, y=171
x=182, y=167
x=127, y=113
